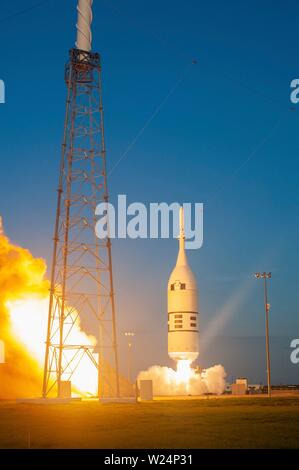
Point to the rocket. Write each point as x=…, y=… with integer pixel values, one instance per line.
x=183, y=315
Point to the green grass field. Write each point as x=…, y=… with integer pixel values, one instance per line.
x=199, y=423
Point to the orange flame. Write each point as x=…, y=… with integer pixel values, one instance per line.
x=24, y=294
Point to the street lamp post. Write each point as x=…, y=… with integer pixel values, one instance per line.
x=266, y=276
x=129, y=335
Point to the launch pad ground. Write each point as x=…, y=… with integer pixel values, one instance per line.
x=245, y=422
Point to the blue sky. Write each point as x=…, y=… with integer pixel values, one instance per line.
x=225, y=136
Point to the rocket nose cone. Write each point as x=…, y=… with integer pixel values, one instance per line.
x=184, y=275
x=182, y=272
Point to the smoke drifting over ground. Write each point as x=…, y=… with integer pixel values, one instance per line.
x=185, y=380
x=24, y=298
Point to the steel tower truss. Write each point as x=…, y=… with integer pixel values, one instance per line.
x=81, y=278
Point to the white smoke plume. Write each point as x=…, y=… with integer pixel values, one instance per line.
x=184, y=381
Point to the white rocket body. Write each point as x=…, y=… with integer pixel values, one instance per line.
x=183, y=315
x=84, y=36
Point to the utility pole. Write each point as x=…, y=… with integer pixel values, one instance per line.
x=266, y=276
x=129, y=335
